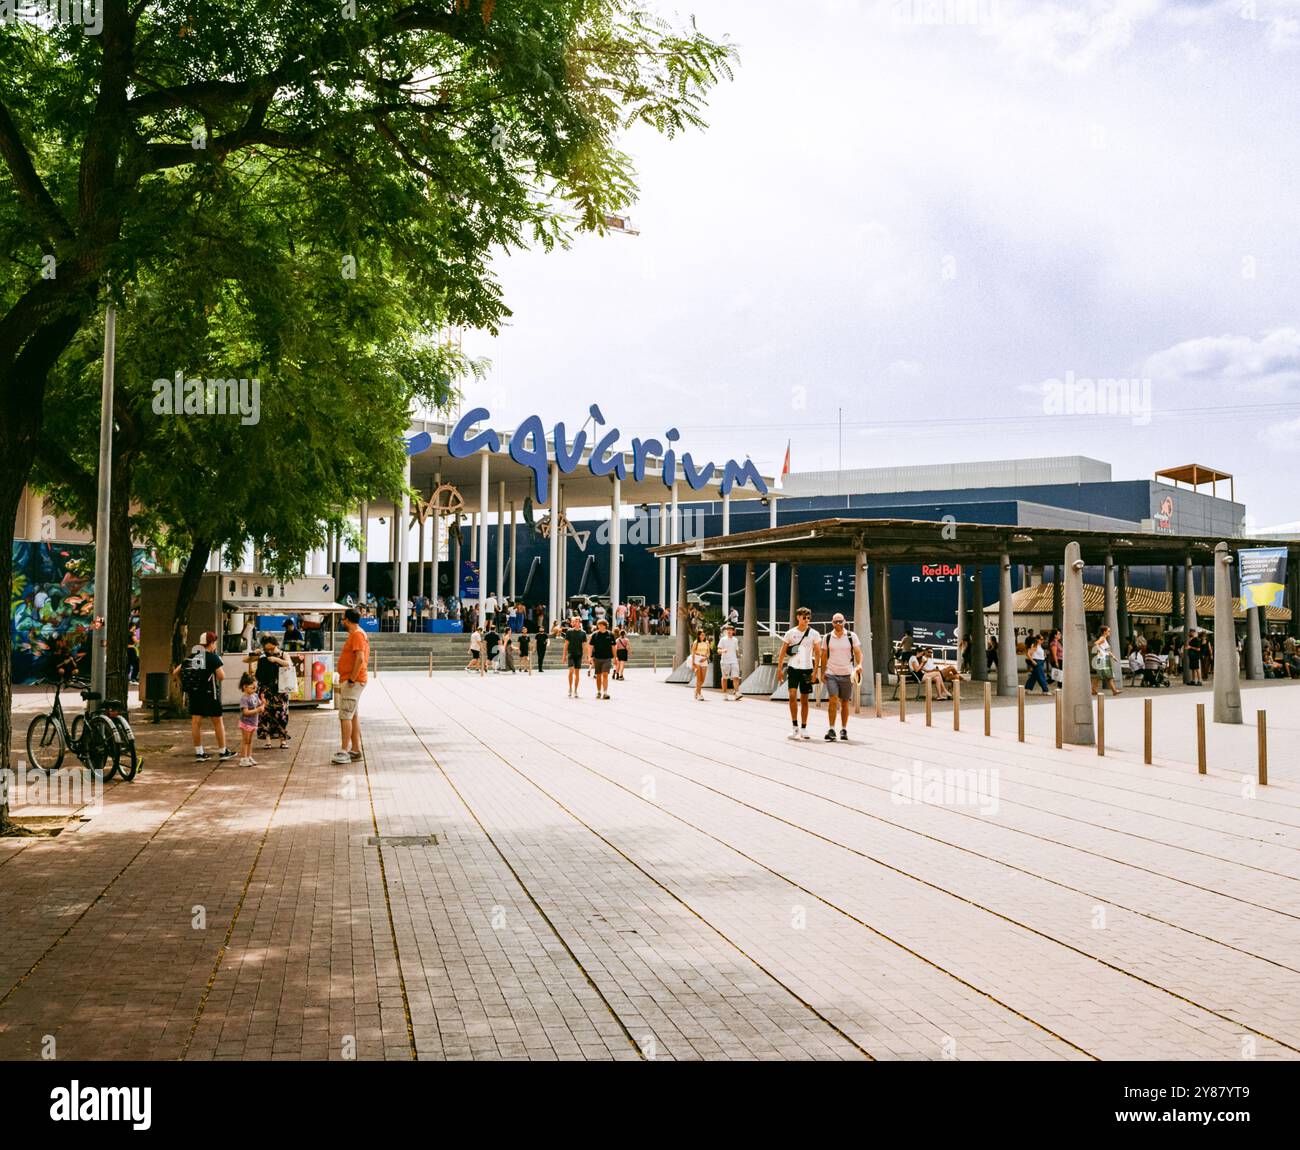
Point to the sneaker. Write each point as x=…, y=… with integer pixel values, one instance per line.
x=844, y=735
x=227, y=753
x=201, y=755
x=803, y=733
x=354, y=756
x=794, y=732
x=829, y=737
x=341, y=759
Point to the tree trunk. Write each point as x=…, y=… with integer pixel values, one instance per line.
x=13, y=475
x=195, y=565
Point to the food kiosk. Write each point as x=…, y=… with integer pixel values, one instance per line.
x=241, y=607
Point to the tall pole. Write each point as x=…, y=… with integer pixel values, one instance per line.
x=363, y=553
x=726, y=567
x=1227, y=680
x=433, y=546
x=862, y=625
x=99, y=650
x=1189, y=617
x=514, y=547
x=979, y=653
x=675, y=584
x=483, y=492
x=501, y=540
x=553, y=564
x=615, y=544
x=1076, y=702
x=663, y=563
x=402, y=525
x=1110, y=606
x=1007, y=680
x=771, y=571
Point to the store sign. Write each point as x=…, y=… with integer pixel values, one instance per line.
x=1263, y=576
x=938, y=573
x=1164, y=516
x=528, y=447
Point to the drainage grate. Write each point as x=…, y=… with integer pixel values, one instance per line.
x=402, y=841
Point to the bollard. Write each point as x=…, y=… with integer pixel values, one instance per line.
x=655, y=661
x=956, y=704
x=1200, y=738
x=880, y=702
x=929, y=700
x=1261, y=730
x=1060, y=720
x=1101, y=724
x=988, y=709
x=1146, y=739
x=430, y=662
x=902, y=701
x=1020, y=713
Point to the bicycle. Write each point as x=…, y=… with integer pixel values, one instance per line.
x=128, y=769
x=93, y=737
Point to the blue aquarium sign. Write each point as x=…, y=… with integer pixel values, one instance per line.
x=528, y=448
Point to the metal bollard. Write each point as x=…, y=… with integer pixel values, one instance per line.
x=1060, y=720
x=988, y=709
x=1146, y=739
x=929, y=701
x=1020, y=713
x=1101, y=724
x=1261, y=732
x=1200, y=738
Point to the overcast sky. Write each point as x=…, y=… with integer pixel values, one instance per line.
x=924, y=221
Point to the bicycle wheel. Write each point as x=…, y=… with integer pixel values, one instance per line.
x=45, y=743
x=100, y=749
x=128, y=765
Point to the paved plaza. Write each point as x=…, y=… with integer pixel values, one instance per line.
x=656, y=878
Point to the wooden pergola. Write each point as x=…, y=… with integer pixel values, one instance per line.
x=880, y=542
x=1194, y=474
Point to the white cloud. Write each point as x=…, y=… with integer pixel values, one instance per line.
x=1271, y=362
x=1284, y=436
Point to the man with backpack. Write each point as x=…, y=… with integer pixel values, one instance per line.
x=841, y=667
x=201, y=675
x=801, y=645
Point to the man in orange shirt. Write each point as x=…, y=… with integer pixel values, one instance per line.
x=350, y=681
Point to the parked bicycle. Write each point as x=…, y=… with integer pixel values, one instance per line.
x=93, y=737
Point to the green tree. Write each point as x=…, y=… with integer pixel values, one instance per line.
x=409, y=141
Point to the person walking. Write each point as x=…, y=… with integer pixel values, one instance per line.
x=701, y=656
x=622, y=651
x=543, y=639
x=801, y=644
x=1037, y=659
x=201, y=677
x=526, y=642
x=729, y=655
x=1103, y=663
x=841, y=667
x=601, y=648
x=575, y=653
x=276, y=680
x=475, y=650
x=350, y=681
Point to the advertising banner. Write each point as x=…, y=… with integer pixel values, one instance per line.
x=1263, y=576
x=468, y=580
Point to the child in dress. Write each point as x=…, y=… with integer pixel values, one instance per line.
x=250, y=706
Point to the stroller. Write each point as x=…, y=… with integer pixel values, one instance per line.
x=1155, y=669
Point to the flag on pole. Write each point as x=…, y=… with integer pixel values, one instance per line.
x=785, y=467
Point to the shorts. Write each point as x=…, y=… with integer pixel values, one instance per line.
x=205, y=706
x=731, y=670
x=348, y=696
x=244, y=725
x=839, y=687
x=574, y=662
x=799, y=679
x=600, y=666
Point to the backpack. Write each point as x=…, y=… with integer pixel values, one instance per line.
x=196, y=679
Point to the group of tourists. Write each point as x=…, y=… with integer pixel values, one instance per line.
x=516, y=639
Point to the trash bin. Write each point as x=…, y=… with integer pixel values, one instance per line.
x=156, y=689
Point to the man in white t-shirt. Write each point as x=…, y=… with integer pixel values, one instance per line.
x=801, y=647
x=729, y=656
x=841, y=668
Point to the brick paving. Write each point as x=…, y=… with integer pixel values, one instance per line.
x=652, y=878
